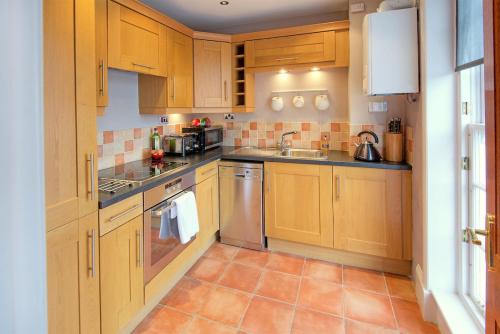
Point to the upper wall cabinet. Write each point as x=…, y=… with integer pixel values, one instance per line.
x=212, y=74
x=390, y=52
x=135, y=42
x=330, y=47
x=180, y=69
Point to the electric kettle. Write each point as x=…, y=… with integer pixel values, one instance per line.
x=366, y=151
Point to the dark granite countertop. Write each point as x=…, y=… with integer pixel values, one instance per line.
x=335, y=158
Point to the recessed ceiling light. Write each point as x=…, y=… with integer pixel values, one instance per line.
x=224, y=3
x=315, y=68
x=283, y=71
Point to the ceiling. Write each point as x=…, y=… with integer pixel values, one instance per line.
x=245, y=15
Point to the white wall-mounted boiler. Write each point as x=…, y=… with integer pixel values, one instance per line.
x=390, y=52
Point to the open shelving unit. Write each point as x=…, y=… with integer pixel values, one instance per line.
x=243, y=82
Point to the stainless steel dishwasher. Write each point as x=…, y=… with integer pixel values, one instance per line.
x=241, y=214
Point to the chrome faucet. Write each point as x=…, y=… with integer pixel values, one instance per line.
x=282, y=144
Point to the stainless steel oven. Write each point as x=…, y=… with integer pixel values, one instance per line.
x=159, y=252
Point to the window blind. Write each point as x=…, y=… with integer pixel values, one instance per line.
x=470, y=47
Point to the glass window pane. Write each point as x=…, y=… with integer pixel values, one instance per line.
x=470, y=49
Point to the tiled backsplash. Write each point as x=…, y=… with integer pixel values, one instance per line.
x=122, y=146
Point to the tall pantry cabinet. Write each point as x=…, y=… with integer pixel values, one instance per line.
x=71, y=166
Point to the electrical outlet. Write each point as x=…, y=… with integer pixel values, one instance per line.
x=377, y=106
x=228, y=116
x=163, y=119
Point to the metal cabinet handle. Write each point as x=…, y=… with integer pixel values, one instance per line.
x=118, y=216
x=139, y=248
x=286, y=58
x=173, y=87
x=225, y=90
x=267, y=181
x=101, y=81
x=90, y=162
x=337, y=184
x=142, y=65
x=91, y=266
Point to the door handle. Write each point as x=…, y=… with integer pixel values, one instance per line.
x=91, y=266
x=337, y=187
x=490, y=240
x=90, y=163
x=139, y=252
x=173, y=87
x=142, y=65
x=101, y=81
x=225, y=90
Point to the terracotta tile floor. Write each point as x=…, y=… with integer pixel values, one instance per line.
x=233, y=290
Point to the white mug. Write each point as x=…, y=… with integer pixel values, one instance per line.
x=298, y=101
x=277, y=103
x=322, y=102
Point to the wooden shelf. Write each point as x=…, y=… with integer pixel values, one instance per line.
x=239, y=68
x=239, y=56
x=239, y=81
x=238, y=93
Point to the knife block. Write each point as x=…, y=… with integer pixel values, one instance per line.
x=393, y=147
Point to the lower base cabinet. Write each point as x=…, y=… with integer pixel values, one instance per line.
x=207, y=201
x=368, y=211
x=298, y=203
x=122, y=275
x=360, y=210
x=73, y=277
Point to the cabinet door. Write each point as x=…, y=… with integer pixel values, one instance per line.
x=90, y=320
x=62, y=279
x=207, y=201
x=101, y=51
x=122, y=288
x=297, y=49
x=212, y=74
x=180, y=69
x=298, y=203
x=86, y=129
x=367, y=211
x=135, y=42
x=61, y=191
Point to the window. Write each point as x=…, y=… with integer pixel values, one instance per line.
x=470, y=50
x=474, y=187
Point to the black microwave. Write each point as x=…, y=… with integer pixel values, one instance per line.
x=207, y=137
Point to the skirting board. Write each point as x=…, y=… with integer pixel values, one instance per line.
x=167, y=284
x=401, y=267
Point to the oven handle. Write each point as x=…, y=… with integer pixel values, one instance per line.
x=160, y=211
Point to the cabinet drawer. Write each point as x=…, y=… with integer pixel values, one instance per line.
x=298, y=49
x=206, y=171
x=119, y=213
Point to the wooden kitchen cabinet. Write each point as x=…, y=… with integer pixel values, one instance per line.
x=296, y=49
x=122, y=275
x=207, y=199
x=73, y=277
x=135, y=42
x=212, y=74
x=101, y=52
x=370, y=217
x=180, y=69
x=298, y=203
x=172, y=94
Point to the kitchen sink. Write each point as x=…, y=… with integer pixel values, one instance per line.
x=297, y=153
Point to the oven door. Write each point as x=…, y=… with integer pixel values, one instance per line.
x=158, y=252
x=213, y=137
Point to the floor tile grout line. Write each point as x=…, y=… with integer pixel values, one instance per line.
x=390, y=302
x=294, y=310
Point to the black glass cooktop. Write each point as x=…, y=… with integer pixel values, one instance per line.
x=140, y=171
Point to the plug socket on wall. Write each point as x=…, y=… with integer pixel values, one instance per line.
x=163, y=119
x=228, y=116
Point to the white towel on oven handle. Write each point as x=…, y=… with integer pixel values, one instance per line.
x=187, y=216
